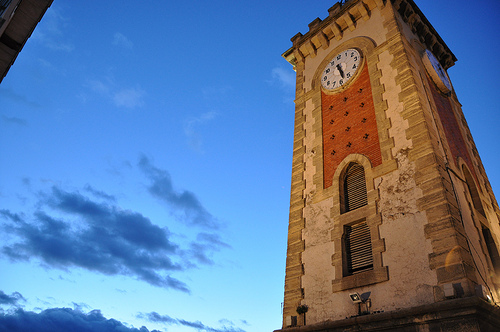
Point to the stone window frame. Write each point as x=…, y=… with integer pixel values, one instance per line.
x=472, y=189
x=369, y=214
x=348, y=265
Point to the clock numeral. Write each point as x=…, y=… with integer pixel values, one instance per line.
x=327, y=71
x=334, y=84
x=324, y=78
x=354, y=67
x=328, y=83
x=355, y=58
x=341, y=82
x=348, y=75
x=339, y=56
x=332, y=63
x=352, y=54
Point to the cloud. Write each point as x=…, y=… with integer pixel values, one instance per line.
x=69, y=229
x=14, y=120
x=13, y=299
x=286, y=78
x=99, y=193
x=120, y=97
x=97, y=237
x=120, y=40
x=129, y=98
x=75, y=319
x=155, y=317
x=185, y=204
x=99, y=86
x=62, y=320
x=8, y=93
x=204, y=245
x=190, y=129
x=51, y=33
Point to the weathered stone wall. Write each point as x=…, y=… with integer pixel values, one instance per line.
x=418, y=232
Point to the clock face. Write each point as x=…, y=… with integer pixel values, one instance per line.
x=436, y=72
x=340, y=69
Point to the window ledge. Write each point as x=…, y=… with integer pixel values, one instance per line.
x=370, y=277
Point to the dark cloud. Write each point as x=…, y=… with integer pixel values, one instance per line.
x=204, y=245
x=184, y=203
x=9, y=93
x=155, y=317
x=96, y=237
x=69, y=229
x=99, y=193
x=13, y=299
x=14, y=120
x=62, y=320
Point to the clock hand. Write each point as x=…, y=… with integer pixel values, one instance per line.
x=340, y=70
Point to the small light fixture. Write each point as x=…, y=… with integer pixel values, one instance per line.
x=355, y=298
x=362, y=299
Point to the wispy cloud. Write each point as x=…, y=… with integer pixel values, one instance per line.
x=16, y=97
x=51, y=33
x=106, y=87
x=120, y=40
x=100, y=86
x=184, y=204
x=14, y=120
x=284, y=77
x=99, y=193
x=206, y=244
x=129, y=98
x=191, y=129
x=155, y=317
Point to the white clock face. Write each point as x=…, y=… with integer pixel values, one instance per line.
x=340, y=69
x=436, y=72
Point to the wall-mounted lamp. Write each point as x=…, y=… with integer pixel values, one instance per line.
x=362, y=299
x=355, y=297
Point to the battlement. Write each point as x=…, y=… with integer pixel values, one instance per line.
x=345, y=16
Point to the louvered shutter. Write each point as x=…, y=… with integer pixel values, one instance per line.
x=358, y=248
x=355, y=188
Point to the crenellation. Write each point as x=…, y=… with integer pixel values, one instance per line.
x=314, y=24
x=364, y=10
x=320, y=41
x=350, y=20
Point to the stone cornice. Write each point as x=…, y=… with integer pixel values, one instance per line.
x=344, y=16
x=421, y=27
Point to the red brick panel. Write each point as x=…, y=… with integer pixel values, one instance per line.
x=451, y=127
x=349, y=126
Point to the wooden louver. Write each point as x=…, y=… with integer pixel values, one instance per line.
x=354, y=188
x=358, y=245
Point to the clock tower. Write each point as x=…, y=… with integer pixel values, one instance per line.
x=393, y=223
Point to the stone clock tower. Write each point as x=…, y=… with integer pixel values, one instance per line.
x=393, y=223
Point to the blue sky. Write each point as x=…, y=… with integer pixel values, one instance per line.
x=145, y=158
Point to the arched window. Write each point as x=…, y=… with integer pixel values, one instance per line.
x=473, y=192
x=492, y=249
x=353, y=191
